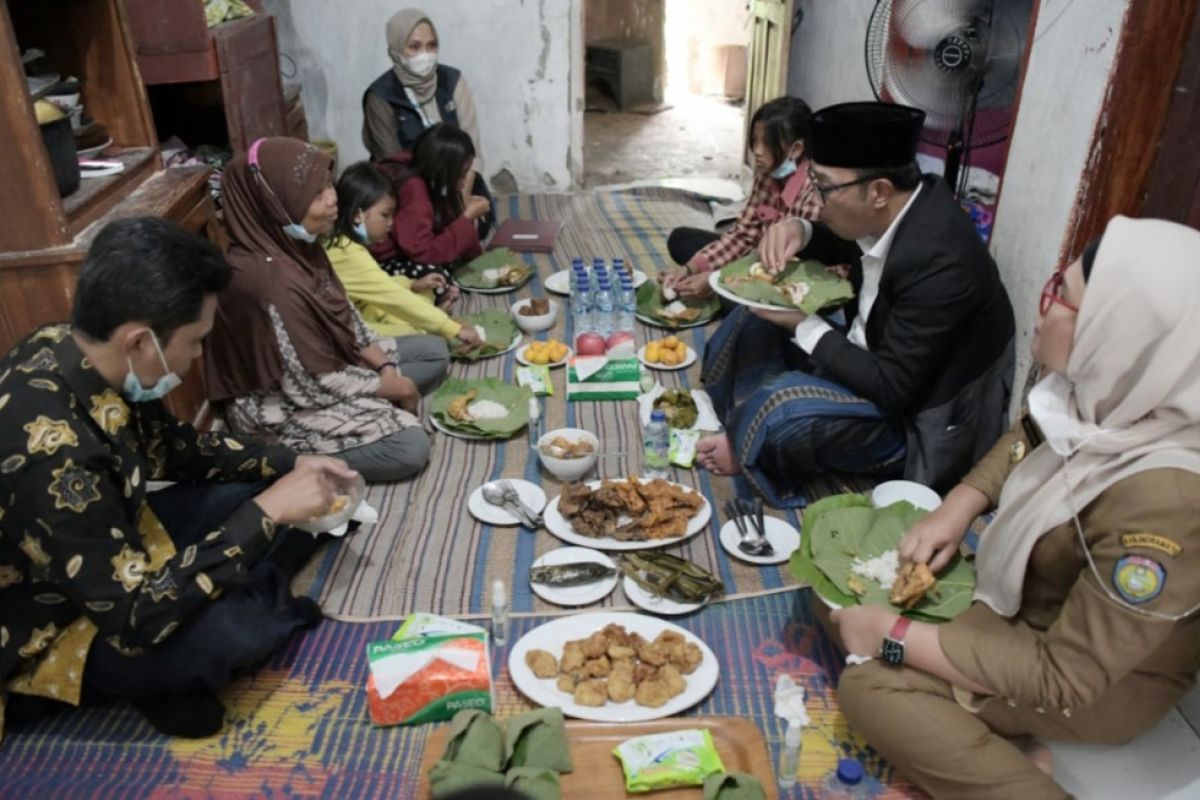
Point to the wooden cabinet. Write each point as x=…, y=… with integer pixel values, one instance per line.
x=44, y=237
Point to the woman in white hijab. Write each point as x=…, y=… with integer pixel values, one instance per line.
x=1085, y=625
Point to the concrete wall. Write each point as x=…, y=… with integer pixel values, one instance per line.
x=518, y=56
x=695, y=31
x=631, y=19
x=1064, y=92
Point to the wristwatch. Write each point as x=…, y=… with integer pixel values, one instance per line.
x=893, y=643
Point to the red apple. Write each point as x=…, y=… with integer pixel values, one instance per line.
x=621, y=344
x=589, y=344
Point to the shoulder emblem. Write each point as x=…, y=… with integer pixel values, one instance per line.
x=1151, y=541
x=1138, y=579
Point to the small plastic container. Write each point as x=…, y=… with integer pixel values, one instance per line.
x=847, y=782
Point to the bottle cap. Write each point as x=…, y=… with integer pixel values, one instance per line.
x=658, y=415
x=849, y=771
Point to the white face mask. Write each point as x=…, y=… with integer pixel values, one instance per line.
x=300, y=233
x=420, y=65
x=1050, y=407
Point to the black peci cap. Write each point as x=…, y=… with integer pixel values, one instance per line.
x=866, y=135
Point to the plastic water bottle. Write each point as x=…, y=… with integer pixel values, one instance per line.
x=602, y=307
x=577, y=267
x=626, y=304
x=656, y=446
x=789, y=757
x=618, y=267
x=581, y=305
x=847, y=782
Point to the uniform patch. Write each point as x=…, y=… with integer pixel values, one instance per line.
x=1016, y=452
x=1152, y=541
x=1138, y=579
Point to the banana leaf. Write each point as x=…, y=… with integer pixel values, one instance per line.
x=803, y=567
x=499, y=331
x=470, y=275
x=514, y=398
x=650, y=304
x=826, y=288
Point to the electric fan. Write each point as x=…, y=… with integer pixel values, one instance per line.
x=957, y=60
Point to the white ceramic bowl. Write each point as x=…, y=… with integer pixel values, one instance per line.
x=356, y=491
x=536, y=324
x=918, y=494
x=569, y=469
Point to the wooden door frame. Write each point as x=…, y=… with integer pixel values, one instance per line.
x=1125, y=147
x=789, y=8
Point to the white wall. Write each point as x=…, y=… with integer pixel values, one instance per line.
x=1065, y=87
x=517, y=55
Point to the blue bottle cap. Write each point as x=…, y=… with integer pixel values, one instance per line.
x=658, y=415
x=849, y=771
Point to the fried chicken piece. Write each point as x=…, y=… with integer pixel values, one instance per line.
x=690, y=659
x=616, y=634
x=598, y=667
x=458, y=407
x=644, y=672
x=670, y=676
x=623, y=666
x=542, y=664
x=621, y=687
x=650, y=653
x=566, y=683
x=572, y=657
x=911, y=584
x=595, y=645
x=652, y=693
x=620, y=651
x=592, y=693
x=573, y=499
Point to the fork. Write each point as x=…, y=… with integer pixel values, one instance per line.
x=747, y=542
x=760, y=544
x=513, y=496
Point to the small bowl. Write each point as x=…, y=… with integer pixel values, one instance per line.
x=918, y=494
x=356, y=491
x=536, y=324
x=569, y=469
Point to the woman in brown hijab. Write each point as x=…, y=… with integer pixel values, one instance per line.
x=289, y=356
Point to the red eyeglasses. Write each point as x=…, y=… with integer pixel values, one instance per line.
x=1052, y=293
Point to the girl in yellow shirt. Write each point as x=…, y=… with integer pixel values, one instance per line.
x=391, y=305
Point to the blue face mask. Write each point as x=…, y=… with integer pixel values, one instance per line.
x=300, y=233
x=133, y=388
x=360, y=230
x=784, y=170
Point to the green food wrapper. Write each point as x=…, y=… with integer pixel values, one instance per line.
x=499, y=331
x=842, y=528
x=534, y=783
x=825, y=288
x=536, y=379
x=650, y=304
x=514, y=398
x=663, y=760
x=538, y=739
x=475, y=740
x=682, y=451
x=446, y=778
x=733, y=786
x=471, y=274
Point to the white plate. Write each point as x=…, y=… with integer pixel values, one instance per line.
x=552, y=365
x=782, y=536
x=471, y=437
x=531, y=494
x=653, y=603
x=918, y=494
x=560, y=282
x=553, y=635
x=714, y=280
x=658, y=323
x=92, y=152
x=516, y=341
x=575, y=595
x=561, y=527
x=500, y=289
x=688, y=360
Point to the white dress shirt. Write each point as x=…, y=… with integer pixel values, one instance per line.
x=874, y=258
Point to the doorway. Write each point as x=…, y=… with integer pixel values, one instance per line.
x=665, y=88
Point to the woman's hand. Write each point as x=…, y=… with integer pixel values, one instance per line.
x=449, y=296
x=399, y=390
x=477, y=207
x=695, y=287
x=468, y=335
x=935, y=539
x=674, y=277
x=428, y=283
x=862, y=628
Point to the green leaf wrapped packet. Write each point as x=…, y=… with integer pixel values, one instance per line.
x=733, y=786
x=538, y=739
x=534, y=783
x=664, y=760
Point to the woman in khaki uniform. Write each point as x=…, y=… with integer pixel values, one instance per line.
x=1084, y=627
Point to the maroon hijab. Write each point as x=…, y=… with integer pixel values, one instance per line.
x=263, y=190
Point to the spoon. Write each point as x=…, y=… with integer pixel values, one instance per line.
x=493, y=493
x=513, y=496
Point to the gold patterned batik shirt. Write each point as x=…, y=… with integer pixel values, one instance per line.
x=81, y=552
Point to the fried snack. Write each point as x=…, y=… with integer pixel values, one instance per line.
x=620, y=682
x=652, y=693
x=572, y=657
x=595, y=645
x=458, y=407
x=659, y=509
x=796, y=292
x=650, y=653
x=670, y=676
x=566, y=683
x=536, y=307
x=616, y=634
x=690, y=659
x=620, y=651
x=592, y=693
x=912, y=582
x=644, y=672
x=541, y=663
x=339, y=504
x=597, y=667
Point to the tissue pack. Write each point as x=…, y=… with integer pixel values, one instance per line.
x=431, y=669
x=616, y=379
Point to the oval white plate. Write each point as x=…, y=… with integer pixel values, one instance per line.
x=653, y=603
x=918, y=494
x=552, y=365
x=516, y=341
x=658, y=323
x=782, y=536
x=553, y=635
x=575, y=595
x=531, y=494
x=688, y=360
x=560, y=282
x=560, y=526
x=714, y=280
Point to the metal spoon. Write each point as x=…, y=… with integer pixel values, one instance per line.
x=514, y=496
x=495, y=494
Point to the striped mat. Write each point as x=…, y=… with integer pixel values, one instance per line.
x=427, y=553
x=300, y=726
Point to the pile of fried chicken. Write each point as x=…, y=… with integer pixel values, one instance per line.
x=658, y=509
x=613, y=664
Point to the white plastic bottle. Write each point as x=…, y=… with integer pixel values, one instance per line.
x=656, y=446
x=789, y=757
x=603, y=306
x=499, y=613
x=626, y=304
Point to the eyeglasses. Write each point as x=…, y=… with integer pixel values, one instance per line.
x=823, y=192
x=1052, y=293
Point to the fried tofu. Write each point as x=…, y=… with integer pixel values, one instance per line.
x=911, y=584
